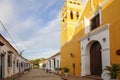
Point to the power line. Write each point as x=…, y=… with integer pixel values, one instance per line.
x=9, y=35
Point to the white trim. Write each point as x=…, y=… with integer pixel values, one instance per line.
x=87, y=20
x=105, y=2
x=98, y=11
x=96, y=35
x=87, y=25
x=94, y=32
x=82, y=11
x=92, y=7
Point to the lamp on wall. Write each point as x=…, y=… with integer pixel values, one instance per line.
x=104, y=39
x=88, y=38
x=21, y=52
x=72, y=55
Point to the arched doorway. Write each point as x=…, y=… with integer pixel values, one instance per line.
x=95, y=59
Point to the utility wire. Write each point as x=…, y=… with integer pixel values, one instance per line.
x=9, y=35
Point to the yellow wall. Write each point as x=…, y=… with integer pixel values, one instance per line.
x=111, y=15
x=68, y=46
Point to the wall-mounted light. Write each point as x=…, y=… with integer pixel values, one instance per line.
x=72, y=55
x=104, y=39
x=88, y=38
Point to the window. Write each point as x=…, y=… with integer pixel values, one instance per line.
x=77, y=15
x=71, y=14
x=57, y=63
x=63, y=20
x=70, y=2
x=54, y=62
x=95, y=22
x=74, y=2
x=9, y=60
x=17, y=64
x=21, y=64
x=50, y=63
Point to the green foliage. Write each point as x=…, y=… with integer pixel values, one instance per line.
x=35, y=66
x=37, y=61
x=114, y=70
x=66, y=70
x=58, y=69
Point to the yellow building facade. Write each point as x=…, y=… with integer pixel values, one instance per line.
x=90, y=36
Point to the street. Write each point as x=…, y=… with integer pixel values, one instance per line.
x=37, y=74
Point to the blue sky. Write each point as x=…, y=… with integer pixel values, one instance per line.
x=33, y=24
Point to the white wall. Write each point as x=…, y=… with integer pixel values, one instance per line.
x=10, y=71
x=57, y=63
x=97, y=35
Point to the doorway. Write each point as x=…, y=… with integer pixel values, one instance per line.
x=95, y=59
x=2, y=66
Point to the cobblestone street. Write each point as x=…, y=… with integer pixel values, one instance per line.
x=37, y=74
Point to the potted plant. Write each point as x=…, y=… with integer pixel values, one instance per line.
x=114, y=70
x=66, y=70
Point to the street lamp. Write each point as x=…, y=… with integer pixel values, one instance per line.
x=21, y=52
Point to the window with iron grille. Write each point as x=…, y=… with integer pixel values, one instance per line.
x=17, y=64
x=95, y=22
x=9, y=60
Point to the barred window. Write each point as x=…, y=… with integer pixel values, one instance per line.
x=9, y=60
x=17, y=64
x=95, y=22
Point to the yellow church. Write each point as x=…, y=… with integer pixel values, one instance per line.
x=90, y=35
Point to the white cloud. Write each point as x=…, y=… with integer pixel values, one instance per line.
x=50, y=52
x=42, y=37
x=6, y=11
x=28, y=32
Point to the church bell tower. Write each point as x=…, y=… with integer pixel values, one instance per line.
x=70, y=14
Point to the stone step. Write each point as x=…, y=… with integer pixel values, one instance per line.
x=96, y=77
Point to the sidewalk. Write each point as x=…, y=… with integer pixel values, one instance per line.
x=15, y=76
x=74, y=78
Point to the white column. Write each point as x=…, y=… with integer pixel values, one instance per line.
x=105, y=57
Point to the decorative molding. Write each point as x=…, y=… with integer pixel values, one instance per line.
x=106, y=49
x=105, y=2
x=84, y=54
x=96, y=31
x=92, y=7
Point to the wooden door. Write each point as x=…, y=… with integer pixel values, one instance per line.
x=95, y=59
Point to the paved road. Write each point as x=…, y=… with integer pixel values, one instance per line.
x=37, y=74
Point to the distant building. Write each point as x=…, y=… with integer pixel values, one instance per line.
x=53, y=62
x=42, y=64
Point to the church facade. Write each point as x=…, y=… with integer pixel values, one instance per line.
x=90, y=36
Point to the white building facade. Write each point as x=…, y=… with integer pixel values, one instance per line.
x=11, y=62
x=53, y=62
